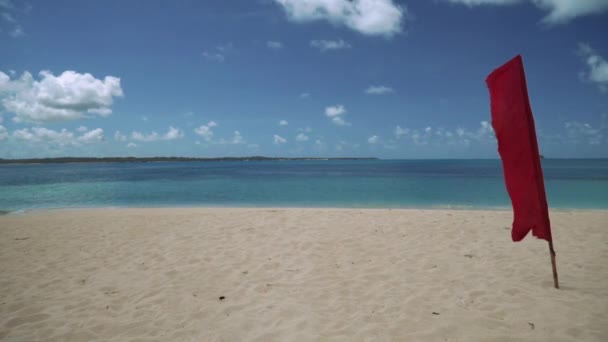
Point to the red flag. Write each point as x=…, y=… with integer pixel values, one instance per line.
x=514, y=128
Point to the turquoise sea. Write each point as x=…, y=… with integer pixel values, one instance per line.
x=331, y=183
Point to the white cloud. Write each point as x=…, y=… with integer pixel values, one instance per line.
x=205, y=131
x=17, y=32
x=144, y=118
x=61, y=138
x=378, y=90
x=485, y=130
x=274, y=45
x=3, y=133
x=304, y=95
x=237, y=138
x=138, y=136
x=213, y=56
x=68, y=96
x=325, y=45
x=6, y=4
x=131, y=145
x=484, y=2
x=38, y=134
x=119, y=136
x=283, y=123
x=302, y=137
x=373, y=139
x=279, y=139
x=81, y=129
x=579, y=132
x=334, y=111
x=369, y=17
x=560, y=11
x=7, y=18
x=219, y=53
x=598, y=67
x=336, y=114
x=338, y=120
x=95, y=135
x=172, y=134
x=440, y=136
x=399, y=132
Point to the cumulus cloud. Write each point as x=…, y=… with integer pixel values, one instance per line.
x=598, y=67
x=279, y=139
x=3, y=133
x=82, y=129
x=325, y=45
x=62, y=138
x=559, y=11
x=334, y=111
x=283, y=123
x=205, y=131
x=69, y=96
x=378, y=90
x=304, y=95
x=302, y=137
x=369, y=17
x=336, y=114
x=131, y=145
x=274, y=45
x=172, y=134
x=92, y=136
x=373, y=139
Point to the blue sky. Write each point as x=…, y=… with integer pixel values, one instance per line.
x=383, y=78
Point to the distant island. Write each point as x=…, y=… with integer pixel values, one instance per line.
x=63, y=160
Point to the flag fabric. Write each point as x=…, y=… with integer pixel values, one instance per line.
x=514, y=128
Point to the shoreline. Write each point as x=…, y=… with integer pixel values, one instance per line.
x=199, y=207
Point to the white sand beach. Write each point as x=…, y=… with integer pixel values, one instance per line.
x=298, y=275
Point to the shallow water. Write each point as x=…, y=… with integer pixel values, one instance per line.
x=369, y=183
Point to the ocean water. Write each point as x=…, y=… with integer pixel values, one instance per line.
x=359, y=184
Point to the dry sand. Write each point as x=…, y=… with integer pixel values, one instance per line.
x=298, y=275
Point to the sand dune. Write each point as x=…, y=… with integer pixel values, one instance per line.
x=298, y=275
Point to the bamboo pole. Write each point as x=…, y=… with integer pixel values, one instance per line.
x=553, y=265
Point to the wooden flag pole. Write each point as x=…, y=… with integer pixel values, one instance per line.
x=553, y=265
